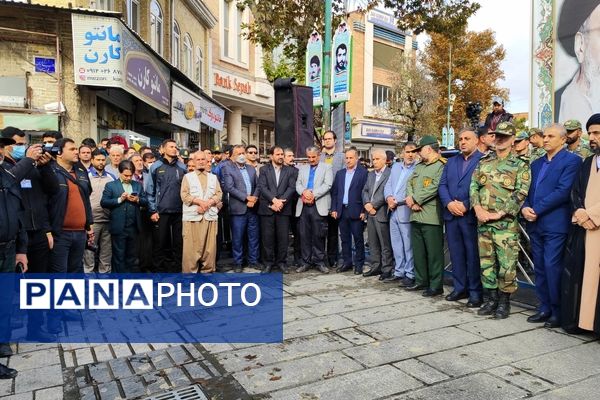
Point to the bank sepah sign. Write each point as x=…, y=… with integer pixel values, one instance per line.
x=106, y=53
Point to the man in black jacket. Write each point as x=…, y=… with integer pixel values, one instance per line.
x=498, y=114
x=164, y=202
x=36, y=187
x=277, y=186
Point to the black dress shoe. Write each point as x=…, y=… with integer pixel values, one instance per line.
x=5, y=350
x=553, y=322
x=267, y=269
x=372, y=272
x=238, y=269
x=539, y=317
x=407, y=282
x=303, y=268
x=358, y=270
x=454, y=296
x=474, y=303
x=384, y=276
x=432, y=292
x=343, y=268
x=415, y=287
x=392, y=279
x=322, y=268
x=254, y=266
x=7, y=373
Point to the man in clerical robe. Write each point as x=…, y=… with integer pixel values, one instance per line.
x=581, y=277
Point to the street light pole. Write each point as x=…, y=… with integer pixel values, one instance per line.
x=327, y=67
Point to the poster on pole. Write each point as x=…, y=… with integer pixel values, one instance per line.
x=340, y=64
x=314, y=72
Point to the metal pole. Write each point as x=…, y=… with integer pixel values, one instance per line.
x=327, y=67
x=449, y=88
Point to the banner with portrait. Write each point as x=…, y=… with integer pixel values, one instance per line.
x=314, y=72
x=340, y=64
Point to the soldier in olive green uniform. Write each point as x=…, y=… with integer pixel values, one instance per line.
x=521, y=148
x=498, y=188
x=575, y=143
x=425, y=218
x=537, y=142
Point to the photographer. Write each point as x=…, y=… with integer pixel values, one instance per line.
x=37, y=185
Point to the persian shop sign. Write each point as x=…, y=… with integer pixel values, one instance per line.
x=106, y=54
x=227, y=82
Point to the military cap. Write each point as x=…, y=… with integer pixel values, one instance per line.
x=521, y=135
x=505, y=128
x=535, y=131
x=427, y=141
x=572, y=125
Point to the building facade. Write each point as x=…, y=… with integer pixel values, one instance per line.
x=377, y=42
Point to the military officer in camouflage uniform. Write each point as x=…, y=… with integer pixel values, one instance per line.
x=575, y=143
x=498, y=188
x=537, y=143
x=521, y=147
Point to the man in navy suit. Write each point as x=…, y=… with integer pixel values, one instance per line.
x=124, y=197
x=240, y=182
x=276, y=183
x=547, y=210
x=461, y=223
x=347, y=208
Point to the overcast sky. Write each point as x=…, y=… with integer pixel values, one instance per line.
x=511, y=20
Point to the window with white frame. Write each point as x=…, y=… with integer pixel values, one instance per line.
x=234, y=47
x=133, y=14
x=156, y=27
x=225, y=19
x=175, y=47
x=380, y=95
x=187, y=56
x=106, y=5
x=199, y=66
x=239, y=22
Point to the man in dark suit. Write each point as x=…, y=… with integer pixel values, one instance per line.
x=547, y=210
x=276, y=185
x=378, y=227
x=347, y=208
x=124, y=198
x=240, y=182
x=461, y=223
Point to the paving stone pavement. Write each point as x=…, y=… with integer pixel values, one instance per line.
x=345, y=337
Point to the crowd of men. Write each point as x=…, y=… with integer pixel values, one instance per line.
x=109, y=208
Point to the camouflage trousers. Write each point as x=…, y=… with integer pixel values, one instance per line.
x=498, y=254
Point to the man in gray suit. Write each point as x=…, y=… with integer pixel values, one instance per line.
x=240, y=181
x=378, y=228
x=313, y=185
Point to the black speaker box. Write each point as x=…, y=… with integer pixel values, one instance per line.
x=293, y=115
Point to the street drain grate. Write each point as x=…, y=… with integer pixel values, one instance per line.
x=188, y=393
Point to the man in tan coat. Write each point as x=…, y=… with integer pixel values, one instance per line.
x=201, y=195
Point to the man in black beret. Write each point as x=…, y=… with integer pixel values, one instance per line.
x=577, y=32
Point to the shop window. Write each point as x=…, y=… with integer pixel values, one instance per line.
x=199, y=66
x=176, y=45
x=187, y=55
x=156, y=27
x=133, y=14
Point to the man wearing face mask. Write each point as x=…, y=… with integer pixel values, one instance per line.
x=37, y=185
x=240, y=182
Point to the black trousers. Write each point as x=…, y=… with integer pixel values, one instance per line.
x=147, y=243
x=332, y=240
x=274, y=232
x=295, y=227
x=124, y=251
x=38, y=257
x=313, y=231
x=170, y=243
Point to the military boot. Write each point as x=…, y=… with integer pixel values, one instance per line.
x=503, y=309
x=490, y=302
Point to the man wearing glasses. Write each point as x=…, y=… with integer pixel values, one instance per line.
x=252, y=158
x=337, y=160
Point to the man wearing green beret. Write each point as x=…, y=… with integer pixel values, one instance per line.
x=521, y=147
x=575, y=143
x=499, y=187
x=425, y=218
x=537, y=143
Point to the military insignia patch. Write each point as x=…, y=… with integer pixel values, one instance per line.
x=526, y=175
x=507, y=181
x=426, y=182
